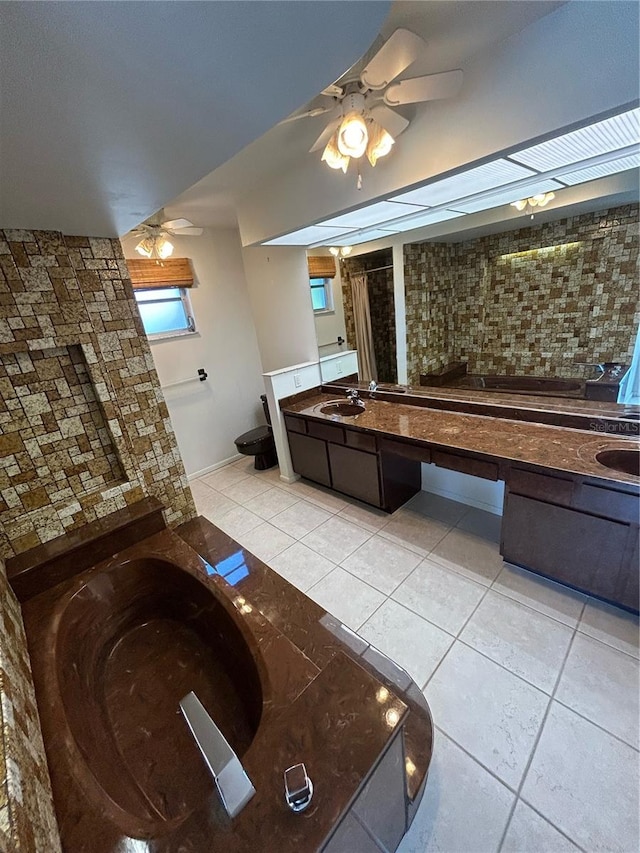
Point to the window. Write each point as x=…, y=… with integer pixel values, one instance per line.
x=321, y=294
x=165, y=312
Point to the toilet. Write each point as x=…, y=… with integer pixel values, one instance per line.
x=259, y=442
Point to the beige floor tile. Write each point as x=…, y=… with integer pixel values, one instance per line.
x=327, y=499
x=270, y=502
x=464, y=808
x=238, y=521
x=300, y=518
x=347, y=598
x=552, y=599
x=414, y=531
x=486, y=525
x=364, y=516
x=412, y=642
x=214, y=505
x=245, y=490
x=223, y=477
x=381, y=563
x=585, y=782
x=265, y=541
x=488, y=711
x=601, y=683
x=438, y=508
x=530, y=833
x=469, y=555
x=440, y=596
x=611, y=625
x=336, y=538
x=520, y=639
x=301, y=566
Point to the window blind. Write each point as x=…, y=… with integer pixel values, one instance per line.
x=146, y=273
x=322, y=266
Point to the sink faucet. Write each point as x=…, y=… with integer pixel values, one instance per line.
x=598, y=365
x=353, y=395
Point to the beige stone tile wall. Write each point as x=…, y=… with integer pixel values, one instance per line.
x=533, y=300
x=84, y=431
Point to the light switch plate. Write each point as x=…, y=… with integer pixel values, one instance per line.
x=297, y=381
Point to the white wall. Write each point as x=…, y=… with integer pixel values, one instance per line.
x=208, y=416
x=278, y=284
x=576, y=62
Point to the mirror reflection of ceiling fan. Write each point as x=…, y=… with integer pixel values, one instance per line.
x=153, y=235
x=360, y=114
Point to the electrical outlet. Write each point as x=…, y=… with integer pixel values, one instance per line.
x=338, y=367
x=297, y=381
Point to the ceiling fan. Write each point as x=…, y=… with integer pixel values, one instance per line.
x=361, y=118
x=154, y=233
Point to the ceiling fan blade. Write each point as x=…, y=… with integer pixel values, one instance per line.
x=333, y=91
x=390, y=120
x=318, y=111
x=172, y=224
x=325, y=136
x=190, y=231
x=429, y=88
x=397, y=53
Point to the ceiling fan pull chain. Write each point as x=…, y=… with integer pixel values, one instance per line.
x=359, y=181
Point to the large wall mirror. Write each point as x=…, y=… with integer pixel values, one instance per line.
x=548, y=309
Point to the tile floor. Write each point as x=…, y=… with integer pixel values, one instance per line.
x=533, y=687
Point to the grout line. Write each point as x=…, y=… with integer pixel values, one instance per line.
x=597, y=725
x=534, y=609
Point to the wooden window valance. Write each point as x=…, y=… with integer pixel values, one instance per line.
x=146, y=273
x=322, y=266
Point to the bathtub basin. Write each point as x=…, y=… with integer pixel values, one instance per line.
x=128, y=649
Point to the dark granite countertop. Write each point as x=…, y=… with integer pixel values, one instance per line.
x=541, y=445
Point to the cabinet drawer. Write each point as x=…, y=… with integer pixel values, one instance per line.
x=465, y=464
x=407, y=451
x=355, y=473
x=530, y=484
x=611, y=503
x=328, y=432
x=295, y=424
x=309, y=458
x=360, y=440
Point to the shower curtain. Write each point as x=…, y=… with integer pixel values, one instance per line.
x=364, y=337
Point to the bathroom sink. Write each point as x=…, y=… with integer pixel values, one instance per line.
x=625, y=461
x=340, y=407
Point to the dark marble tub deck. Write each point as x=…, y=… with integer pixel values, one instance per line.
x=112, y=653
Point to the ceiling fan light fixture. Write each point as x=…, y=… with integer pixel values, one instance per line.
x=340, y=251
x=380, y=143
x=537, y=200
x=353, y=135
x=333, y=157
x=145, y=247
x=164, y=248
x=335, y=251
x=346, y=250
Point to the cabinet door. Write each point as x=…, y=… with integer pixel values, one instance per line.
x=309, y=457
x=570, y=546
x=355, y=473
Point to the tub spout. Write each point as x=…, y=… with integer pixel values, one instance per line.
x=233, y=784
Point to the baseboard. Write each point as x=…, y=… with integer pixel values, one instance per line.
x=293, y=479
x=213, y=467
x=472, y=491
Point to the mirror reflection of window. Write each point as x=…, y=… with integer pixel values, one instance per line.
x=321, y=294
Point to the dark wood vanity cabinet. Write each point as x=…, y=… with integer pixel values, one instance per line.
x=349, y=461
x=575, y=530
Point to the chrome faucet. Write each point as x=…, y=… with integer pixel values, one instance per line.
x=598, y=365
x=232, y=782
x=373, y=385
x=353, y=395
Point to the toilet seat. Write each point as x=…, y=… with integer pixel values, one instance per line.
x=253, y=437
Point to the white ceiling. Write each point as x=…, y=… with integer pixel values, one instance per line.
x=109, y=110
x=455, y=32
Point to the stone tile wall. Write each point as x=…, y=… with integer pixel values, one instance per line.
x=84, y=431
x=528, y=301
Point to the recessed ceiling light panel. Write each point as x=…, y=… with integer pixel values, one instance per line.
x=475, y=180
x=423, y=219
x=506, y=196
x=364, y=236
x=373, y=214
x=599, y=138
x=601, y=171
x=306, y=236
